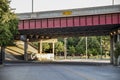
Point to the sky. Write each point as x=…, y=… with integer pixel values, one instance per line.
x=22, y=6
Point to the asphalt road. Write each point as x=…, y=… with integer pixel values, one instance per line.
x=31, y=71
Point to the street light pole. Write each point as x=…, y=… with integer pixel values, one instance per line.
x=32, y=5
x=65, y=48
x=101, y=46
x=112, y=2
x=86, y=46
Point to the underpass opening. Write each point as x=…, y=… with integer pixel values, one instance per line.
x=75, y=32
x=97, y=21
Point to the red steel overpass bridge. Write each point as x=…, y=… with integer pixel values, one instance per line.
x=92, y=21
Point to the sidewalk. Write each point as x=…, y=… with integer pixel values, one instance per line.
x=83, y=60
x=91, y=62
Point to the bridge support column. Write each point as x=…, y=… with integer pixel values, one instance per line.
x=53, y=46
x=118, y=37
x=111, y=49
x=53, y=50
x=25, y=50
x=40, y=47
x=114, y=39
x=118, y=40
x=114, y=42
x=24, y=38
x=65, y=48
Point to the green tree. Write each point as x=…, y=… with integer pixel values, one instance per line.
x=106, y=45
x=93, y=46
x=59, y=47
x=80, y=47
x=72, y=41
x=8, y=25
x=45, y=47
x=72, y=50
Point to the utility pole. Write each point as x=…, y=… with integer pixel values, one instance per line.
x=113, y=2
x=86, y=46
x=32, y=6
x=65, y=48
x=101, y=46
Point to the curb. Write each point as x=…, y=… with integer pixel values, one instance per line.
x=1, y=66
x=61, y=63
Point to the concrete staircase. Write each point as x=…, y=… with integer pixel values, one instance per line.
x=17, y=52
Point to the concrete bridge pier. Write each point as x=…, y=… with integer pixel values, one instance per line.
x=25, y=50
x=114, y=38
x=25, y=40
x=40, y=47
x=53, y=46
x=111, y=48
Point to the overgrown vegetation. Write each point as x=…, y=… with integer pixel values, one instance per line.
x=76, y=46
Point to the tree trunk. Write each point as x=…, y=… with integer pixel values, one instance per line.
x=2, y=55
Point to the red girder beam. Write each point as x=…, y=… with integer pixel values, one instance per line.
x=76, y=21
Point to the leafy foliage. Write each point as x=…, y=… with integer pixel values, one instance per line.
x=93, y=46
x=59, y=47
x=8, y=23
x=80, y=47
x=45, y=46
x=72, y=50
